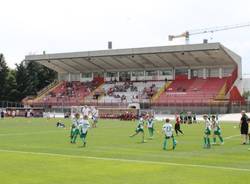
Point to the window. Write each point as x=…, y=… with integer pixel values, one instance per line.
x=111, y=74
x=98, y=74
x=138, y=73
x=151, y=73
x=227, y=72
x=87, y=75
x=166, y=72
x=181, y=71
x=124, y=74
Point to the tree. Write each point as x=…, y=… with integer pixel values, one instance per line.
x=27, y=79
x=11, y=86
x=23, y=82
x=3, y=76
x=32, y=77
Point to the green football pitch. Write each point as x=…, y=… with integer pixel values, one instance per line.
x=35, y=151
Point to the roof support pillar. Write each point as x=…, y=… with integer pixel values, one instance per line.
x=189, y=73
x=173, y=73
x=204, y=73
x=69, y=75
x=220, y=73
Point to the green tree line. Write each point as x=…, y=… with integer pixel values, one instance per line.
x=26, y=79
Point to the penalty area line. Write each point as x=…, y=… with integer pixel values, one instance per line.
x=232, y=136
x=126, y=160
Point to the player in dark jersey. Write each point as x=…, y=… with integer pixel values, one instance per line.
x=177, y=126
x=244, y=127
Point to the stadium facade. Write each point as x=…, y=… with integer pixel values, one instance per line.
x=198, y=77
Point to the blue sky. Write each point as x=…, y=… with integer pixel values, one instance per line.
x=31, y=26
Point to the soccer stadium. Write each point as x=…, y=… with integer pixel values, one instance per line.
x=110, y=93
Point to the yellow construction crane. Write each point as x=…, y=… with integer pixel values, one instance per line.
x=187, y=34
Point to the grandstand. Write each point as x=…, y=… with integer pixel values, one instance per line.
x=172, y=77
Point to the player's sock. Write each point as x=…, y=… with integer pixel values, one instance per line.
x=208, y=142
x=74, y=137
x=205, y=141
x=221, y=139
x=165, y=144
x=174, y=143
x=176, y=132
x=181, y=132
x=214, y=139
x=150, y=132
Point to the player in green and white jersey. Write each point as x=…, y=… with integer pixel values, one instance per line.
x=216, y=130
x=83, y=127
x=150, y=126
x=139, y=129
x=207, y=132
x=167, y=130
x=74, y=131
x=95, y=114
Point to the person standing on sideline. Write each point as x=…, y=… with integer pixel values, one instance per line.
x=244, y=127
x=2, y=114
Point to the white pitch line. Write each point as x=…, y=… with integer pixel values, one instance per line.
x=32, y=133
x=128, y=160
x=232, y=136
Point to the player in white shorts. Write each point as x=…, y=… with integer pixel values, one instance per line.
x=167, y=130
x=83, y=127
x=207, y=131
x=95, y=114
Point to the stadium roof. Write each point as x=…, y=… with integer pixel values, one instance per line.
x=191, y=56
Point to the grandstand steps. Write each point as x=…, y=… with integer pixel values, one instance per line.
x=160, y=91
x=222, y=93
x=40, y=94
x=48, y=89
x=28, y=100
x=89, y=98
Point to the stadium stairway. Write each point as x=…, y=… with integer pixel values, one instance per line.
x=222, y=93
x=160, y=91
x=41, y=94
x=46, y=88
x=99, y=89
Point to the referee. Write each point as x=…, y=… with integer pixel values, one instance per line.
x=177, y=126
x=244, y=127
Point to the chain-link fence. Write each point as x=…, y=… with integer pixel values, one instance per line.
x=7, y=104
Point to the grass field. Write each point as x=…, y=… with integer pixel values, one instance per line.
x=35, y=151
